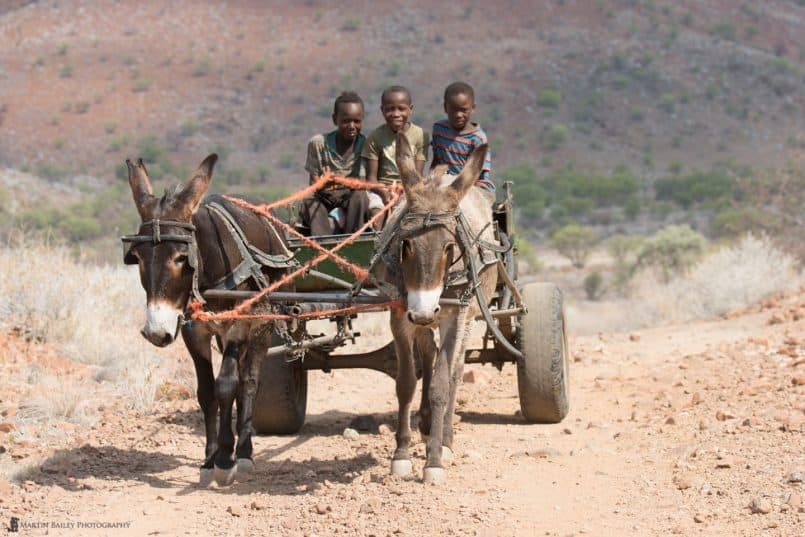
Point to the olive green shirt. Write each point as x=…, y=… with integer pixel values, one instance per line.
x=321, y=151
x=381, y=146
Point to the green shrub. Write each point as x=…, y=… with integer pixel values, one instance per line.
x=631, y=207
x=66, y=71
x=141, y=85
x=723, y=30
x=118, y=142
x=80, y=228
x=526, y=253
x=672, y=250
x=667, y=102
x=737, y=221
x=555, y=136
x=529, y=196
x=150, y=149
x=351, y=24
x=686, y=190
x=550, y=98
x=81, y=107
x=52, y=170
x=393, y=69
x=594, y=285
x=41, y=217
x=5, y=200
x=287, y=161
x=188, y=128
x=575, y=242
x=202, y=68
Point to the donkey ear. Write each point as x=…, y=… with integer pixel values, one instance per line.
x=405, y=162
x=471, y=171
x=140, y=186
x=193, y=191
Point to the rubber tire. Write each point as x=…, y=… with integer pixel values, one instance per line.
x=542, y=372
x=281, y=400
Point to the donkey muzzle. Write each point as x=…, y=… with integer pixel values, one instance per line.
x=423, y=306
x=162, y=322
x=423, y=318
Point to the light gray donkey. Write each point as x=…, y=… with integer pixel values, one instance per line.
x=426, y=248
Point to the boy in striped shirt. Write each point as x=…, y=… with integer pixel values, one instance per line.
x=455, y=137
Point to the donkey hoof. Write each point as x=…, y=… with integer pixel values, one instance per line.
x=245, y=468
x=225, y=476
x=447, y=455
x=205, y=477
x=434, y=475
x=401, y=467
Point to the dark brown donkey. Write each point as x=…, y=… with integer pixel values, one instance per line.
x=183, y=247
x=431, y=239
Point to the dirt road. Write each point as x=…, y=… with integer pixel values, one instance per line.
x=674, y=430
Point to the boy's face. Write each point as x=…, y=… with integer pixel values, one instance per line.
x=348, y=120
x=459, y=109
x=396, y=109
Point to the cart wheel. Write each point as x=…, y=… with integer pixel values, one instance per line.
x=542, y=372
x=281, y=400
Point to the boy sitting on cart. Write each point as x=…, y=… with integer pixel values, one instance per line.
x=338, y=209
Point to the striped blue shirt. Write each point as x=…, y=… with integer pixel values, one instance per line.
x=453, y=149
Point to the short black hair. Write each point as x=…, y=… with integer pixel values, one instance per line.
x=395, y=89
x=347, y=97
x=459, y=88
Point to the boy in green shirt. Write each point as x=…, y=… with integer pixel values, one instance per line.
x=338, y=209
x=380, y=147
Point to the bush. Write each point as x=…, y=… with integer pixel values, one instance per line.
x=287, y=161
x=555, y=136
x=686, y=190
x=73, y=310
x=118, y=142
x=529, y=196
x=672, y=250
x=575, y=242
x=594, y=285
x=737, y=221
x=150, y=150
x=723, y=30
x=80, y=228
x=733, y=277
x=202, y=68
x=188, y=128
x=624, y=250
x=5, y=200
x=52, y=170
x=141, y=85
x=526, y=253
x=351, y=24
x=550, y=98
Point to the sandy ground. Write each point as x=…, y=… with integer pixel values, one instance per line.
x=673, y=430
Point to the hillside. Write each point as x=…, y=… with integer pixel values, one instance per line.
x=589, y=105
x=644, y=83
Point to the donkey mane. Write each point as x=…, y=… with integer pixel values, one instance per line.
x=169, y=197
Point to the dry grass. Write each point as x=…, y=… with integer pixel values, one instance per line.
x=733, y=277
x=91, y=312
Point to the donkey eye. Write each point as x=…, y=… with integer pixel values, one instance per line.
x=180, y=259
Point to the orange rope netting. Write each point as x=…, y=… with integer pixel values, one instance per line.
x=240, y=311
